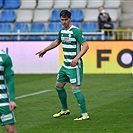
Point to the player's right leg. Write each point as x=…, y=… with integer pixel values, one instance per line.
x=63, y=99
x=59, y=86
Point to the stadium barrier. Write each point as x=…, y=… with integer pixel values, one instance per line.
x=19, y=34
x=120, y=34
x=113, y=34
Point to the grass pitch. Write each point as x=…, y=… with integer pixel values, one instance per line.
x=108, y=98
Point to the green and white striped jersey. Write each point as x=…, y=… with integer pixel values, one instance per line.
x=71, y=42
x=6, y=80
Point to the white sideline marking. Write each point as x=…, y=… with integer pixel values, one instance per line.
x=32, y=94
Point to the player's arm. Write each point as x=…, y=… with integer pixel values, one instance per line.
x=51, y=46
x=9, y=74
x=84, y=49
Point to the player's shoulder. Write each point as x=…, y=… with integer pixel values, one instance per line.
x=4, y=55
x=75, y=29
x=2, y=52
x=62, y=29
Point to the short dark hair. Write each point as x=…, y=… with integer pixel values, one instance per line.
x=65, y=13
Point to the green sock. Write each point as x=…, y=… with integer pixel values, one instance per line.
x=80, y=99
x=62, y=96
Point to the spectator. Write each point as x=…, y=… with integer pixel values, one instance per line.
x=104, y=20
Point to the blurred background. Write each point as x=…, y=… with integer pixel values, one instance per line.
x=33, y=19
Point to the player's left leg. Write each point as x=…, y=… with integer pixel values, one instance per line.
x=81, y=101
x=76, y=81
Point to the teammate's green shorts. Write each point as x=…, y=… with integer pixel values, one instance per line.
x=72, y=76
x=6, y=116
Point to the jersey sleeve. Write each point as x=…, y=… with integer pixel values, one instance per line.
x=8, y=66
x=9, y=75
x=79, y=36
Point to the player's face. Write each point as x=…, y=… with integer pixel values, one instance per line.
x=65, y=22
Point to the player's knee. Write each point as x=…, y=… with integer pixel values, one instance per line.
x=75, y=86
x=10, y=129
x=58, y=88
x=76, y=90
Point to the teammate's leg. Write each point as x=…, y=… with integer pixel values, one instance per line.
x=10, y=128
x=7, y=119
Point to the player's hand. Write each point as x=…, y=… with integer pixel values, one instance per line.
x=12, y=106
x=73, y=63
x=41, y=53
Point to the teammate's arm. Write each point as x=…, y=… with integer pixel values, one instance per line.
x=84, y=49
x=9, y=74
x=51, y=46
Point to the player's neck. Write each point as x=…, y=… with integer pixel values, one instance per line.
x=68, y=26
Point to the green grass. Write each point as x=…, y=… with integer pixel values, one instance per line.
x=108, y=98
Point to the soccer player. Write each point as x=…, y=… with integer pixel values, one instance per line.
x=72, y=69
x=7, y=93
